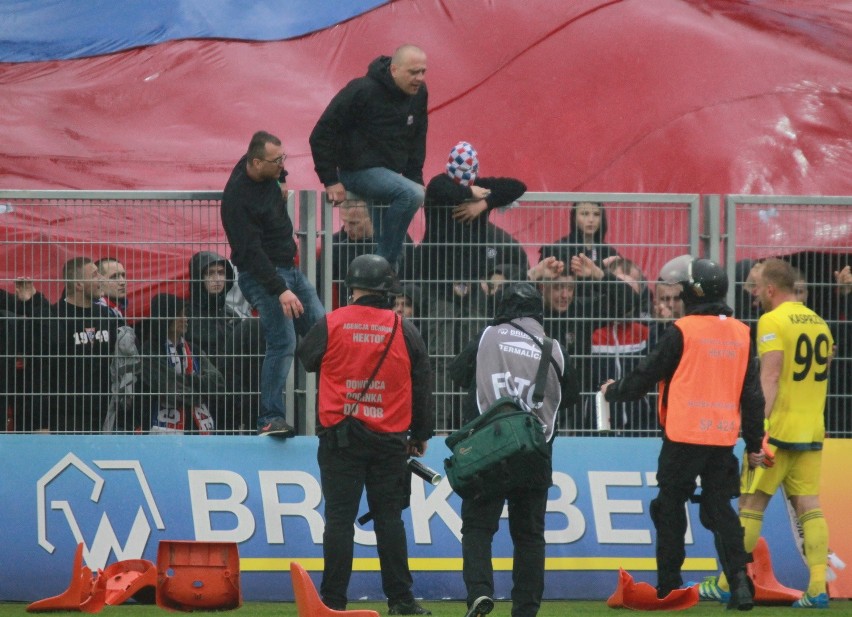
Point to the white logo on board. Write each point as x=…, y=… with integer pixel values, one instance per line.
x=97, y=548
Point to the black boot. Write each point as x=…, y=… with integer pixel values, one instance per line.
x=742, y=594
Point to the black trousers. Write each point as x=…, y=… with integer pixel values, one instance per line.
x=480, y=521
x=347, y=466
x=678, y=467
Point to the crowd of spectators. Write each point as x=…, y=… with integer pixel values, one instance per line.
x=192, y=364
x=211, y=359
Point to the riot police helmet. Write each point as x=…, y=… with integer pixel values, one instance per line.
x=518, y=300
x=371, y=273
x=703, y=280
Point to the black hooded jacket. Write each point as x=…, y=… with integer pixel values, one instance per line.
x=210, y=321
x=371, y=122
x=574, y=243
x=199, y=298
x=443, y=194
x=467, y=251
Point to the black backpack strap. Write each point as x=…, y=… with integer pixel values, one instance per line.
x=396, y=321
x=541, y=375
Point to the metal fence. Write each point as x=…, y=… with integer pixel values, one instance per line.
x=123, y=375
x=812, y=233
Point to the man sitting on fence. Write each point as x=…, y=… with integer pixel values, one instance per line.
x=260, y=232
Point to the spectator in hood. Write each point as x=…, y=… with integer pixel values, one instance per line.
x=407, y=301
x=371, y=141
x=586, y=236
x=210, y=322
x=233, y=343
x=460, y=243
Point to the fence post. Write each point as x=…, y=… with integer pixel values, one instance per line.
x=307, y=234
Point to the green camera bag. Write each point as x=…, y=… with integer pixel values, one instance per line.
x=502, y=449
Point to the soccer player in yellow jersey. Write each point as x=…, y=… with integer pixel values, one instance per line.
x=795, y=349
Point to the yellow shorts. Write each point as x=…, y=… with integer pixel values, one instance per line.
x=798, y=471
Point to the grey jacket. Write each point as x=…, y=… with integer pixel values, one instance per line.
x=506, y=363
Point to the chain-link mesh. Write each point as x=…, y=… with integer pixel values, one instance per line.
x=121, y=312
x=790, y=228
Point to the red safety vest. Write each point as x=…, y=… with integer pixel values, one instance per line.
x=357, y=337
x=702, y=405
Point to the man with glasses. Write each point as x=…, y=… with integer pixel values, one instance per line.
x=260, y=232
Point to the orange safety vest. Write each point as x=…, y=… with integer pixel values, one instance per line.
x=357, y=337
x=701, y=403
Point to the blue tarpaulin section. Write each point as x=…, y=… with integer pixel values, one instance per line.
x=36, y=30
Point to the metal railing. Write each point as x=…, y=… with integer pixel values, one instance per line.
x=155, y=235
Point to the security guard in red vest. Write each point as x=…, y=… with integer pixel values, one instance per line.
x=375, y=410
x=709, y=388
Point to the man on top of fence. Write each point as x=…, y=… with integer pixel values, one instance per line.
x=371, y=140
x=254, y=215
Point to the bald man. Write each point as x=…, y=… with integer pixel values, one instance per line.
x=371, y=141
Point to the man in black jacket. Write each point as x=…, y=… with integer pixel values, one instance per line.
x=254, y=215
x=460, y=244
x=20, y=319
x=710, y=386
x=371, y=141
x=80, y=343
x=356, y=237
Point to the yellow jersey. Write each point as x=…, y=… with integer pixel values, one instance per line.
x=797, y=421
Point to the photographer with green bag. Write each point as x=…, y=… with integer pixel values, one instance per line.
x=503, y=368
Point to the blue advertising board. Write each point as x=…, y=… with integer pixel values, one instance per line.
x=120, y=495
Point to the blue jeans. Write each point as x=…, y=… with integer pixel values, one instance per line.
x=378, y=185
x=280, y=333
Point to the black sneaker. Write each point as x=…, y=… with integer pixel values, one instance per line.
x=408, y=608
x=481, y=606
x=742, y=593
x=276, y=427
